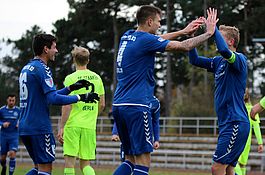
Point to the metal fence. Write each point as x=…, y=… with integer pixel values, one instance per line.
x=178, y=125
x=186, y=142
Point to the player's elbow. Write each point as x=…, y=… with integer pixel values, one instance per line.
x=225, y=53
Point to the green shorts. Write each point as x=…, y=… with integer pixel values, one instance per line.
x=80, y=142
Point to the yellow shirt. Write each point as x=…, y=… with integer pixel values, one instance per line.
x=83, y=114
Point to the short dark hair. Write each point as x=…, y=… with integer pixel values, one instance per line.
x=10, y=95
x=145, y=12
x=40, y=41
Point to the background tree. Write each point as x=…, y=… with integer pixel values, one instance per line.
x=98, y=25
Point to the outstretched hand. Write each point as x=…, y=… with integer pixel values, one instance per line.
x=211, y=20
x=79, y=84
x=192, y=27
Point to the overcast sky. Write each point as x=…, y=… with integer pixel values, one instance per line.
x=17, y=16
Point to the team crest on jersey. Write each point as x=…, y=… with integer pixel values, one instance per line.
x=15, y=114
x=49, y=82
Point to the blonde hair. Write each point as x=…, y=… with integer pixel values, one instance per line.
x=80, y=55
x=231, y=32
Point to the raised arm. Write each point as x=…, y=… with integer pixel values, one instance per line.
x=256, y=128
x=257, y=108
x=200, y=61
x=191, y=43
x=222, y=47
x=188, y=30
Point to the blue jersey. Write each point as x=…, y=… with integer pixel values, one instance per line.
x=35, y=82
x=135, y=67
x=10, y=115
x=230, y=74
x=230, y=85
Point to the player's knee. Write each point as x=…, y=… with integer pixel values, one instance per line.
x=217, y=169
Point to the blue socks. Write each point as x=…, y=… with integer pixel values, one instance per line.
x=140, y=170
x=33, y=171
x=126, y=168
x=12, y=165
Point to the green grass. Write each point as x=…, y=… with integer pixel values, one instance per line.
x=22, y=169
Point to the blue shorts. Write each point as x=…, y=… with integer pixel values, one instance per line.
x=41, y=148
x=134, y=127
x=231, y=143
x=8, y=143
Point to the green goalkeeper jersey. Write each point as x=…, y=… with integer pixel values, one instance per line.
x=262, y=102
x=84, y=115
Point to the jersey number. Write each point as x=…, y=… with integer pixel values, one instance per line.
x=23, y=87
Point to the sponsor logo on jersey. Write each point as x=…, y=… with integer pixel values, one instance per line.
x=161, y=39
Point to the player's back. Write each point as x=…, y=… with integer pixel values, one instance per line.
x=35, y=81
x=80, y=111
x=135, y=67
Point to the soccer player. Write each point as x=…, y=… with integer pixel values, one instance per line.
x=155, y=113
x=37, y=91
x=78, y=124
x=240, y=168
x=257, y=108
x=135, y=87
x=9, y=115
x=230, y=73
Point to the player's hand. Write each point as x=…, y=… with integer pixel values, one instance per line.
x=89, y=97
x=156, y=145
x=192, y=27
x=60, y=135
x=79, y=84
x=257, y=108
x=211, y=20
x=260, y=148
x=115, y=138
x=6, y=124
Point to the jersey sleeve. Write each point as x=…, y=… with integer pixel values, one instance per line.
x=154, y=43
x=222, y=46
x=238, y=62
x=256, y=128
x=262, y=102
x=1, y=116
x=44, y=75
x=114, y=129
x=155, y=113
x=200, y=61
x=155, y=123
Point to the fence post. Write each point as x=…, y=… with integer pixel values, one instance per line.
x=197, y=126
